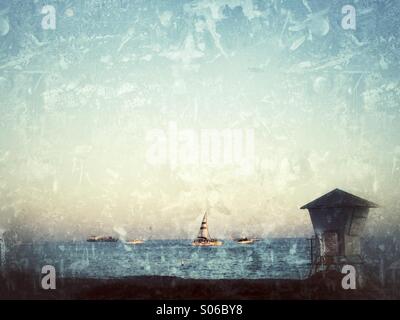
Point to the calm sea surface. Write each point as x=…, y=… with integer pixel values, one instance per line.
x=268, y=258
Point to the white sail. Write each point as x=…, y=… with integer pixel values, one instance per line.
x=203, y=233
x=204, y=238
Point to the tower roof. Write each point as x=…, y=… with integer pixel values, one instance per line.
x=339, y=199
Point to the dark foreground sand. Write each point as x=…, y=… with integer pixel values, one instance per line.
x=22, y=286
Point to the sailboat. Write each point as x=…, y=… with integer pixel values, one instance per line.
x=204, y=239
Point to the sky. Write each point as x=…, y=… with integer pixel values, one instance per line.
x=88, y=100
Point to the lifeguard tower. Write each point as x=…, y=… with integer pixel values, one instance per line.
x=338, y=219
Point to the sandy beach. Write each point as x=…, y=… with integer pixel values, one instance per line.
x=20, y=286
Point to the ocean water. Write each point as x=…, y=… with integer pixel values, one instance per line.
x=268, y=258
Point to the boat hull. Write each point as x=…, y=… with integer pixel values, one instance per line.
x=207, y=243
x=246, y=242
x=134, y=242
x=102, y=239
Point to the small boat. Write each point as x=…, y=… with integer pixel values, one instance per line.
x=101, y=239
x=134, y=241
x=244, y=240
x=204, y=239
